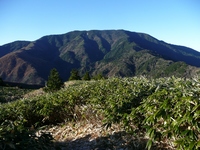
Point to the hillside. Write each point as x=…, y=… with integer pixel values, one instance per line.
x=114, y=113
x=110, y=52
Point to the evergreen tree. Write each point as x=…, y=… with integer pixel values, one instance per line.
x=86, y=76
x=98, y=77
x=54, y=81
x=74, y=75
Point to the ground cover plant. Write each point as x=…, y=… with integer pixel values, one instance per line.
x=164, y=110
x=8, y=94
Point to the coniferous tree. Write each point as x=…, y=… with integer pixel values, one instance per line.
x=54, y=81
x=86, y=76
x=74, y=75
x=98, y=77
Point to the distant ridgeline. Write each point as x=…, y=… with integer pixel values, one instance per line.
x=109, y=52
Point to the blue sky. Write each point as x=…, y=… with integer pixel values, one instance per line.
x=173, y=21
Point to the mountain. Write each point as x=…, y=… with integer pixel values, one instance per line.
x=110, y=52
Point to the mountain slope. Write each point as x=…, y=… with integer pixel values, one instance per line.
x=111, y=52
x=7, y=48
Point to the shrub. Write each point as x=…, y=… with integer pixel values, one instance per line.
x=164, y=109
x=14, y=135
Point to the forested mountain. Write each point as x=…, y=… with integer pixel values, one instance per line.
x=110, y=52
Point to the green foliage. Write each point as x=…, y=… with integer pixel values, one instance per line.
x=8, y=94
x=13, y=135
x=54, y=82
x=50, y=108
x=115, y=53
x=74, y=75
x=19, y=117
x=98, y=77
x=172, y=112
x=86, y=76
x=164, y=109
x=178, y=67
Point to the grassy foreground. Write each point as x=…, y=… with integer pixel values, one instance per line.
x=164, y=110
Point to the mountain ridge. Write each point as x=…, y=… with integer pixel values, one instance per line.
x=110, y=52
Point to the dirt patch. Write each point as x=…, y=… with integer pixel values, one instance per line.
x=93, y=136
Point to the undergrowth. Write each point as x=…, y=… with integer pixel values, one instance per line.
x=164, y=109
x=8, y=94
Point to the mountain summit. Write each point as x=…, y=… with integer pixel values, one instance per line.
x=110, y=52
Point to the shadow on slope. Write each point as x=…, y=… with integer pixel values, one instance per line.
x=164, y=50
x=117, y=141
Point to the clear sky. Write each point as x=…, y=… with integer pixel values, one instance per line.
x=173, y=21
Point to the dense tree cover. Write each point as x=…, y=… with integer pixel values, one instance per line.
x=131, y=54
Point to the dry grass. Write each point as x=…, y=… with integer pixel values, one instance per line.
x=34, y=93
x=86, y=136
x=88, y=133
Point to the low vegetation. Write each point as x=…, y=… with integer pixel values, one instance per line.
x=9, y=94
x=166, y=111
